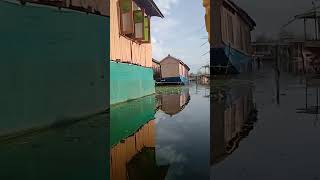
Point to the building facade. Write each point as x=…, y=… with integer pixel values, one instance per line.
x=55, y=58
x=230, y=44
x=131, y=74
x=174, y=71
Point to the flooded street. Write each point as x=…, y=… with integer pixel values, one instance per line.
x=170, y=143
x=283, y=143
x=244, y=134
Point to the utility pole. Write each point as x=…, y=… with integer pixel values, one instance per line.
x=316, y=23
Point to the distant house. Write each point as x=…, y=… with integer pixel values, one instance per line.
x=156, y=69
x=174, y=71
x=264, y=50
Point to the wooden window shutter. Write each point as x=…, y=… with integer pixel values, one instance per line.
x=138, y=17
x=146, y=29
x=126, y=17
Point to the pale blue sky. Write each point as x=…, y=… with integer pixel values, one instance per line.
x=181, y=32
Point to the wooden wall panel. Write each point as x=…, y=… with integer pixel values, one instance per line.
x=123, y=48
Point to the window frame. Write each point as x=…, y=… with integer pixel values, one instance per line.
x=131, y=35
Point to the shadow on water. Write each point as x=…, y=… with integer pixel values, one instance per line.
x=233, y=115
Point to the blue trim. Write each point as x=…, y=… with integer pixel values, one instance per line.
x=173, y=80
x=239, y=61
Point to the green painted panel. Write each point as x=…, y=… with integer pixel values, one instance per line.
x=129, y=82
x=127, y=118
x=54, y=65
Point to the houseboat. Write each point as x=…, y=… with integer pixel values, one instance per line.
x=54, y=62
x=231, y=36
x=156, y=69
x=131, y=74
x=174, y=71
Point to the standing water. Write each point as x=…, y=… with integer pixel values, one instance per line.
x=165, y=136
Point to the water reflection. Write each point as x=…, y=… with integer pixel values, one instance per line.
x=76, y=151
x=232, y=116
x=145, y=145
x=134, y=158
x=174, y=101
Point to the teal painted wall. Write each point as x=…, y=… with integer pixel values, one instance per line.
x=127, y=118
x=54, y=65
x=129, y=82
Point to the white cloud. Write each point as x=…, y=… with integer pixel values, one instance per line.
x=169, y=155
x=165, y=5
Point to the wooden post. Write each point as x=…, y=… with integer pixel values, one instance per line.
x=305, y=29
x=317, y=100
x=315, y=28
x=303, y=66
x=306, y=94
x=277, y=75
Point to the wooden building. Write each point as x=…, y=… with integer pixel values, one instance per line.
x=156, y=69
x=303, y=55
x=265, y=50
x=231, y=29
x=174, y=71
x=130, y=49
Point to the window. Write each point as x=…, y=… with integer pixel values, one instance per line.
x=134, y=23
x=126, y=23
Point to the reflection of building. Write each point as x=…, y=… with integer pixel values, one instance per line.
x=231, y=120
x=172, y=104
x=134, y=157
x=132, y=141
x=174, y=71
